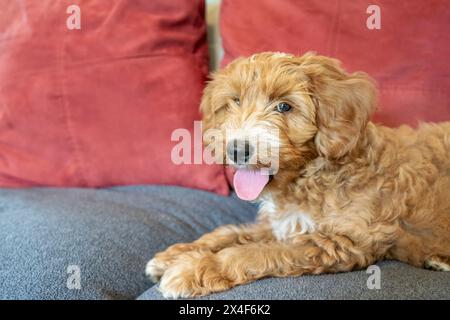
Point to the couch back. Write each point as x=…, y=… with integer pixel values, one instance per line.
x=404, y=45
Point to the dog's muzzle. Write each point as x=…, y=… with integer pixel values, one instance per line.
x=240, y=151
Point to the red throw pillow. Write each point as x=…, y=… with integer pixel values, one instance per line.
x=408, y=55
x=96, y=106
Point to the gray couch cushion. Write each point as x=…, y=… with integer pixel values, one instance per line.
x=397, y=281
x=110, y=234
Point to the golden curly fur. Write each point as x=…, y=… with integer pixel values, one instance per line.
x=348, y=192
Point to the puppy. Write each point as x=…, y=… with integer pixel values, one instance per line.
x=346, y=194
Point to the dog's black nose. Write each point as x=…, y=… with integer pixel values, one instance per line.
x=239, y=151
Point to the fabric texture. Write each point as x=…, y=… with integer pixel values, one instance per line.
x=110, y=234
x=97, y=106
x=407, y=56
x=397, y=281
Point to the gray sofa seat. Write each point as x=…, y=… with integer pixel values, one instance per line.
x=108, y=235
x=397, y=281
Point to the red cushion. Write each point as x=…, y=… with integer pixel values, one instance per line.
x=408, y=56
x=97, y=106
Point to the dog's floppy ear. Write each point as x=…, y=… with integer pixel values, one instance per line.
x=210, y=106
x=344, y=104
x=214, y=99
x=206, y=107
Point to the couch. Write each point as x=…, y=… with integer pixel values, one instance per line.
x=110, y=234
x=93, y=243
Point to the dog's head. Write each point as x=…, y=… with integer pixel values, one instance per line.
x=279, y=111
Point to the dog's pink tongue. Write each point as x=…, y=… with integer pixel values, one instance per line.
x=249, y=183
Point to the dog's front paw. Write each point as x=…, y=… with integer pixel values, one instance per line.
x=193, y=274
x=156, y=267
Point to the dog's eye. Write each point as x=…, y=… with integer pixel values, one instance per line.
x=237, y=101
x=283, y=107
